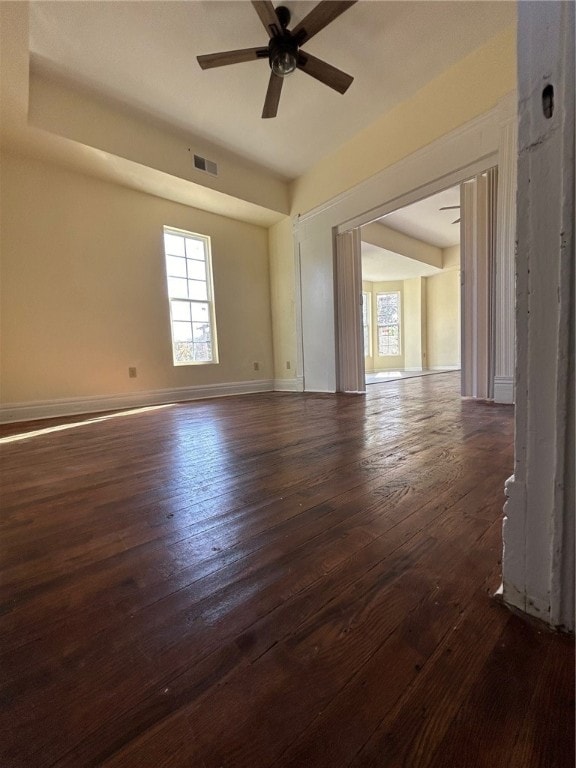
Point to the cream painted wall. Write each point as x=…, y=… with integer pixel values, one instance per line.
x=282, y=290
x=451, y=257
x=84, y=289
x=470, y=88
x=415, y=323
x=443, y=319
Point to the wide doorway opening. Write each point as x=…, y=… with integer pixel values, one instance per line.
x=411, y=290
x=416, y=288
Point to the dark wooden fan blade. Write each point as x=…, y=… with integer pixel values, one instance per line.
x=210, y=60
x=272, y=96
x=449, y=208
x=267, y=14
x=319, y=17
x=457, y=221
x=324, y=72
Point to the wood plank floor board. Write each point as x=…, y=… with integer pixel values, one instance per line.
x=56, y=543
x=276, y=562
x=376, y=488
x=270, y=580
x=268, y=635
x=342, y=476
x=353, y=715
x=319, y=563
x=507, y=677
x=412, y=732
x=549, y=715
x=320, y=649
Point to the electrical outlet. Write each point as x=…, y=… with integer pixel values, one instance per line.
x=256, y=366
x=287, y=365
x=132, y=373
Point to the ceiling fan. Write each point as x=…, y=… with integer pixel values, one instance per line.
x=451, y=208
x=283, y=50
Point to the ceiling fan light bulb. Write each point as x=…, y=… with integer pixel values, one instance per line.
x=284, y=63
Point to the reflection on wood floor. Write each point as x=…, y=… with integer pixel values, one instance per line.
x=272, y=580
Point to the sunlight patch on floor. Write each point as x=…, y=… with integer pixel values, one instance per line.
x=73, y=425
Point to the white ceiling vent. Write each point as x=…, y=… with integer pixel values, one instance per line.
x=208, y=166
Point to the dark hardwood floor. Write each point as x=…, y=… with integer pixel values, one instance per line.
x=272, y=580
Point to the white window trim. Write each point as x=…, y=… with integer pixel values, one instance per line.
x=205, y=239
x=385, y=293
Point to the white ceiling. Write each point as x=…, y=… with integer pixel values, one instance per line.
x=425, y=221
x=144, y=53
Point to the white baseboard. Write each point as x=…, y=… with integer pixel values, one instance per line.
x=415, y=368
x=504, y=389
x=443, y=368
x=289, y=385
x=48, y=409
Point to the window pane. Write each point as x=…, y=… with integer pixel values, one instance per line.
x=388, y=340
x=175, y=266
x=195, y=249
x=182, y=331
x=388, y=308
x=180, y=310
x=177, y=288
x=382, y=341
x=196, y=270
x=183, y=352
x=200, y=312
x=174, y=245
x=203, y=352
x=201, y=332
x=197, y=290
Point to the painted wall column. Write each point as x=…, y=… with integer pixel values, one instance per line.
x=538, y=561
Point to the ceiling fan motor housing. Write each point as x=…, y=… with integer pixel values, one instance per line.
x=283, y=14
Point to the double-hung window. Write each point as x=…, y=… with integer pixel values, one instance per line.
x=388, y=321
x=190, y=293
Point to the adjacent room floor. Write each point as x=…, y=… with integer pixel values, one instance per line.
x=383, y=376
x=272, y=580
